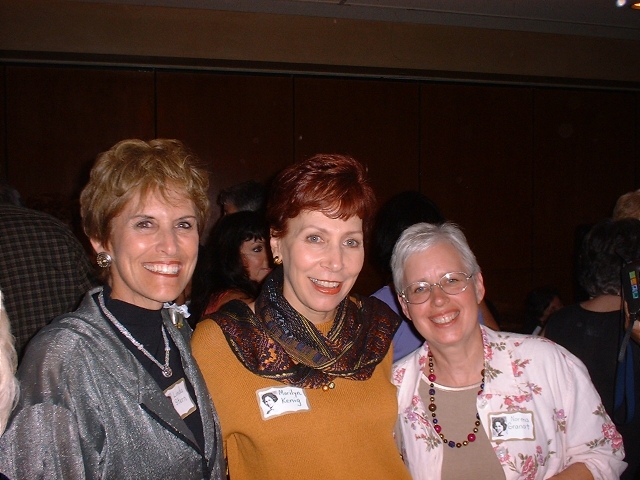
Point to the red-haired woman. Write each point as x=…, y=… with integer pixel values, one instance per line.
x=323, y=355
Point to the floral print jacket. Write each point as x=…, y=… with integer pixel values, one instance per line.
x=543, y=393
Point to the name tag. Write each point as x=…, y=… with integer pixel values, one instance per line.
x=180, y=398
x=511, y=426
x=276, y=401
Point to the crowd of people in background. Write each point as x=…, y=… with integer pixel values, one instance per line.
x=245, y=353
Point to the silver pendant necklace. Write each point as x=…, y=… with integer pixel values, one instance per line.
x=166, y=370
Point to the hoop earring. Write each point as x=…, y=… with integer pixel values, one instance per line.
x=277, y=260
x=103, y=259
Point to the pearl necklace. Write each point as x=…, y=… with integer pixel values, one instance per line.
x=166, y=370
x=432, y=408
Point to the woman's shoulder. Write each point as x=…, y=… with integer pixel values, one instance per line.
x=66, y=331
x=233, y=294
x=370, y=302
x=214, y=355
x=411, y=358
x=410, y=365
x=509, y=341
x=218, y=299
x=206, y=333
x=530, y=349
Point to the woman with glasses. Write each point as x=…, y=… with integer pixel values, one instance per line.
x=465, y=379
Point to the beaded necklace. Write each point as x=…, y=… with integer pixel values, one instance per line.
x=166, y=369
x=432, y=408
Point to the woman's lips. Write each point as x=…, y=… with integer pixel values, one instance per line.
x=445, y=318
x=325, y=286
x=163, y=268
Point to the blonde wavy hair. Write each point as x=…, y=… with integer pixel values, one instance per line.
x=9, y=386
x=133, y=166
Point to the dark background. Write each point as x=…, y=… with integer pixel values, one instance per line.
x=519, y=137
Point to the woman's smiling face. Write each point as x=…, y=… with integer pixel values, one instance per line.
x=322, y=258
x=154, y=247
x=443, y=319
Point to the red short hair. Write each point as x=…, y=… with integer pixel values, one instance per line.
x=336, y=185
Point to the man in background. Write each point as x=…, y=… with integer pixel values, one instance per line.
x=44, y=270
x=249, y=195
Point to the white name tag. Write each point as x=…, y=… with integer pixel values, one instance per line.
x=180, y=398
x=511, y=426
x=276, y=401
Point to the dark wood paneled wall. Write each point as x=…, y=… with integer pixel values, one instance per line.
x=584, y=159
x=376, y=122
x=58, y=120
x=241, y=125
x=519, y=168
x=3, y=127
x=477, y=166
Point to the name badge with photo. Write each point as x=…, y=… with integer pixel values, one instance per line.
x=276, y=401
x=505, y=426
x=180, y=398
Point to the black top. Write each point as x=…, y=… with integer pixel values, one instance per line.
x=146, y=327
x=595, y=338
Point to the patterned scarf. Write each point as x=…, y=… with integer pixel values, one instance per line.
x=279, y=343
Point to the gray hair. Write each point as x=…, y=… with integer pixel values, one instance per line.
x=9, y=386
x=423, y=236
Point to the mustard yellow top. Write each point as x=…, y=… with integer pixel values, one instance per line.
x=346, y=432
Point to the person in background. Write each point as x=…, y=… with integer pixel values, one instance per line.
x=627, y=206
x=249, y=195
x=394, y=217
x=9, y=195
x=233, y=263
x=452, y=390
x=539, y=305
x=9, y=386
x=111, y=390
x=593, y=330
x=322, y=350
x=44, y=270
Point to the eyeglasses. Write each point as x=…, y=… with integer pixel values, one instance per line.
x=451, y=283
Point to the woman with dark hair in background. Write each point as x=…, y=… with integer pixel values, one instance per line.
x=323, y=351
x=234, y=263
x=593, y=330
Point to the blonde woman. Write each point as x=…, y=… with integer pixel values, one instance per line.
x=111, y=390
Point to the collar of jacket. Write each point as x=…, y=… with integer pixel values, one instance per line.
x=137, y=381
x=497, y=361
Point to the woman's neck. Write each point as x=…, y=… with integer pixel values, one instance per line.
x=460, y=365
x=603, y=303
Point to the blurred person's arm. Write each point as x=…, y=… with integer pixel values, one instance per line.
x=577, y=471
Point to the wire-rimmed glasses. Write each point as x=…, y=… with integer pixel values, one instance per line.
x=451, y=283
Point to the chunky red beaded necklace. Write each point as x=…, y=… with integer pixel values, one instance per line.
x=432, y=408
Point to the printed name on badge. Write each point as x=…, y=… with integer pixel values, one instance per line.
x=276, y=401
x=180, y=398
x=505, y=426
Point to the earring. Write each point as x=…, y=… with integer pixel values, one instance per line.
x=277, y=260
x=103, y=259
